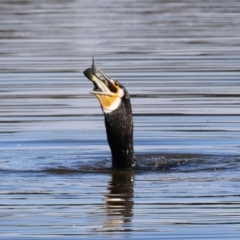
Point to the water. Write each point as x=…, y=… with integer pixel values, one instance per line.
x=179, y=61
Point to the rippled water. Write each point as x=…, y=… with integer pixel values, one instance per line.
x=179, y=61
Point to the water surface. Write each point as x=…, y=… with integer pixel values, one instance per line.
x=179, y=61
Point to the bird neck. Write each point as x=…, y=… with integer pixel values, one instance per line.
x=119, y=128
x=123, y=156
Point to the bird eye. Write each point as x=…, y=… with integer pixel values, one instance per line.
x=117, y=84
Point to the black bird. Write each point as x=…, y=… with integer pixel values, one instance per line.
x=116, y=106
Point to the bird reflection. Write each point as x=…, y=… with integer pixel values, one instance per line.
x=119, y=203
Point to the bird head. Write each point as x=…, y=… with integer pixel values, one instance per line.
x=108, y=91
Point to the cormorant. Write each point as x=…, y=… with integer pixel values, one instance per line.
x=116, y=106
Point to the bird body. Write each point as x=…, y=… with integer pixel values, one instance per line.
x=116, y=105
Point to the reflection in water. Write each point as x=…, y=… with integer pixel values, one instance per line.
x=119, y=203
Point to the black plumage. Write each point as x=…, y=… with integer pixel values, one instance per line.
x=119, y=129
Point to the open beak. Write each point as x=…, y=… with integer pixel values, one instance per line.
x=105, y=89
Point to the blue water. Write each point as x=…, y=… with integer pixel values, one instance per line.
x=180, y=63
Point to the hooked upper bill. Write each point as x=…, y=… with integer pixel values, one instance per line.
x=108, y=91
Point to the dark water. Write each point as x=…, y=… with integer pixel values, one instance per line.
x=179, y=60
